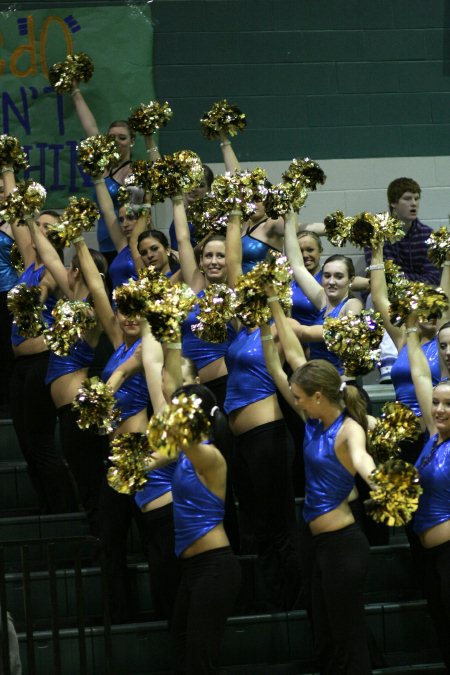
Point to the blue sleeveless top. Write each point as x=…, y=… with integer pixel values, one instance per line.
x=8, y=276
x=133, y=396
x=32, y=277
x=122, y=268
x=434, y=502
x=105, y=243
x=248, y=378
x=318, y=350
x=303, y=310
x=201, y=352
x=196, y=510
x=158, y=484
x=328, y=483
x=80, y=356
x=401, y=374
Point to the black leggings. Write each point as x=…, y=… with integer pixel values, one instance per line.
x=34, y=419
x=340, y=568
x=263, y=482
x=208, y=589
x=85, y=453
x=437, y=593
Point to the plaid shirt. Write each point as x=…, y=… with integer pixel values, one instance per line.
x=410, y=253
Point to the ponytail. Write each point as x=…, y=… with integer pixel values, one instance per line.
x=355, y=405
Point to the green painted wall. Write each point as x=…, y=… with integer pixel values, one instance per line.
x=327, y=78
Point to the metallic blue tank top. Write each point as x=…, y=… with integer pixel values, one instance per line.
x=248, y=379
x=80, y=355
x=196, y=510
x=133, y=396
x=201, y=352
x=32, y=277
x=327, y=481
x=122, y=268
x=8, y=275
x=434, y=471
x=318, y=350
x=303, y=310
x=401, y=374
x=158, y=484
x=105, y=243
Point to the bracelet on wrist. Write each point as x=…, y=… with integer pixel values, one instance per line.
x=446, y=263
x=272, y=298
x=236, y=212
x=412, y=329
x=173, y=345
x=77, y=240
x=7, y=169
x=223, y=144
x=75, y=91
x=177, y=199
x=265, y=338
x=371, y=268
x=97, y=181
x=154, y=148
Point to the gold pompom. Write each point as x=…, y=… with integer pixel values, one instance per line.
x=368, y=229
x=396, y=492
x=97, y=154
x=72, y=319
x=24, y=303
x=396, y=280
x=207, y=217
x=12, y=153
x=149, y=117
x=284, y=197
x=24, y=202
x=251, y=301
x=337, y=228
x=171, y=175
x=132, y=298
x=95, y=404
x=430, y=303
x=224, y=117
x=396, y=423
x=438, y=246
x=80, y=216
x=17, y=260
x=78, y=67
x=305, y=173
x=216, y=308
x=142, y=174
x=180, y=424
x=130, y=459
x=355, y=338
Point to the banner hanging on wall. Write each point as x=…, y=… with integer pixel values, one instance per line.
x=118, y=39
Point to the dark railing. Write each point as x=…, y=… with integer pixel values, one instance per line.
x=23, y=558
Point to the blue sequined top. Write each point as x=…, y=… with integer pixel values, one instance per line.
x=434, y=472
x=401, y=374
x=328, y=482
x=158, y=484
x=32, y=277
x=248, y=378
x=318, y=350
x=133, y=396
x=122, y=268
x=80, y=355
x=303, y=310
x=196, y=509
x=8, y=275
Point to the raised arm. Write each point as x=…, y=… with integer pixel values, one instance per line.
x=188, y=263
x=229, y=157
x=445, y=285
x=152, y=149
x=153, y=360
x=309, y=285
x=274, y=367
x=380, y=297
x=420, y=372
x=96, y=286
x=83, y=111
x=142, y=223
x=50, y=257
x=21, y=235
x=233, y=249
x=106, y=206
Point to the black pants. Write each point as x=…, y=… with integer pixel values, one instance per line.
x=340, y=568
x=6, y=352
x=437, y=593
x=263, y=482
x=158, y=538
x=34, y=419
x=85, y=453
x=208, y=589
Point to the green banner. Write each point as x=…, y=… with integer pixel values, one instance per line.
x=119, y=40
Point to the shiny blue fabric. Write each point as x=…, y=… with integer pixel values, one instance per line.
x=80, y=355
x=201, y=352
x=196, y=510
x=303, y=309
x=122, y=268
x=434, y=502
x=158, y=484
x=401, y=374
x=105, y=243
x=133, y=396
x=32, y=277
x=253, y=251
x=318, y=350
x=328, y=483
x=8, y=276
x=248, y=379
